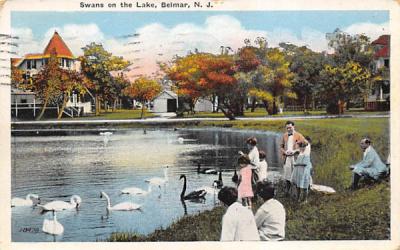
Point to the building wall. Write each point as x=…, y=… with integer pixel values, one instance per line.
x=203, y=105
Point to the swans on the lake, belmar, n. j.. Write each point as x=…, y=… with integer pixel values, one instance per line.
x=123, y=206
x=28, y=201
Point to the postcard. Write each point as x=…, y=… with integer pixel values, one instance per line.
x=199, y=124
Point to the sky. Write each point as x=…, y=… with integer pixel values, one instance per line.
x=161, y=35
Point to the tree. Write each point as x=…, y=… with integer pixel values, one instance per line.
x=275, y=80
x=47, y=83
x=70, y=81
x=97, y=65
x=343, y=83
x=352, y=57
x=16, y=77
x=306, y=66
x=143, y=90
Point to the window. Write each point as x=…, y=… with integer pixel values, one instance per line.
x=34, y=64
x=24, y=101
x=68, y=63
x=386, y=62
x=28, y=64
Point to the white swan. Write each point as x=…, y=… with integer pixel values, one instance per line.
x=210, y=190
x=123, y=206
x=19, y=202
x=106, y=133
x=52, y=226
x=136, y=191
x=180, y=140
x=157, y=181
x=62, y=205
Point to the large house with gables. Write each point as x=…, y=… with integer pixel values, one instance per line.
x=379, y=97
x=32, y=63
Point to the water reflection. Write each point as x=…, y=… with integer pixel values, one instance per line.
x=57, y=167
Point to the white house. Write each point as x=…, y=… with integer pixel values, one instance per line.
x=32, y=63
x=379, y=97
x=166, y=101
x=204, y=105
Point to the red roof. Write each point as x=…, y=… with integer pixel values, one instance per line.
x=57, y=43
x=384, y=52
x=383, y=40
x=15, y=61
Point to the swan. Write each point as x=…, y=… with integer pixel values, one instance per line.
x=205, y=170
x=180, y=140
x=219, y=181
x=123, y=206
x=136, y=191
x=106, y=133
x=235, y=177
x=52, y=226
x=157, y=181
x=62, y=205
x=19, y=202
x=195, y=195
x=210, y=190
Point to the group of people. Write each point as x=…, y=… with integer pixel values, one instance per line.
x=268, y=223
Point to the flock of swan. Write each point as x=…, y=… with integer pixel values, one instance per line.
x=54, y=227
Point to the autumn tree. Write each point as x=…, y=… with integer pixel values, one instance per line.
x=143, y=90
x=97, y=65
x=70, y=81
x=16, y=77
x=274, y=80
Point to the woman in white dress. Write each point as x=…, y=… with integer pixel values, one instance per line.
x=301, y=175
x=262, y=167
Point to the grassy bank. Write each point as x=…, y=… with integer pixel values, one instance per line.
x=364, y=214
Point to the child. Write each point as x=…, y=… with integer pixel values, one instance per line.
x=262, y=167
x=301, y=175
x=253, y=155
x=245, y=191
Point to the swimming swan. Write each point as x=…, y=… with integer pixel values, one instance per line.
x=136, y=191
x=62, y=205
x=157, y=180
x=52, y=226
x=195, y=195
x=205, y=170
x=123, y=206
x=19, y=202
x=210, y=190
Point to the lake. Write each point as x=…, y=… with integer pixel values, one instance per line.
x=57, y=167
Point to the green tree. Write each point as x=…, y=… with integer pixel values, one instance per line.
x=97, y=65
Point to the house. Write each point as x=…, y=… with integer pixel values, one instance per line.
x=204, y=105
x=166, y=101
x=32, y=63
x=379, y=97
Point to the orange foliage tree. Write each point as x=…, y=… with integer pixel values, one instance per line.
x=206, y=75
x=143, y=90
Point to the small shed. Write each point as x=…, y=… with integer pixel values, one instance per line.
x=166, y=101
x=203, y=105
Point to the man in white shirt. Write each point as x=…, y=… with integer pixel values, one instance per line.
x=238, y=222
x=271, y=216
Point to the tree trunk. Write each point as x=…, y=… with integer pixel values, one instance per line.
x=46, y=100
x=266, y=105
x=114, y=105
x=305, y=104
x=141, y=115
x=228, y=113
x=65, y=99
x=253, y=104
x=341, y=105
x=97, y=105
x=274, y=107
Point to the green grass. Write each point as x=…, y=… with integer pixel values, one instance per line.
x=260, y=112
x=364, y=214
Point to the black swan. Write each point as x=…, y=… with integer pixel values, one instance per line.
x=219, y=181
x=195, y=195
x=205, y=170
x=235, y=177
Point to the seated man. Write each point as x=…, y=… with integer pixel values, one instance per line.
x=371, y=165
x=238, y=222
x=271, y=216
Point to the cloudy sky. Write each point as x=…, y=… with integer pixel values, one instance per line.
x=147, y=37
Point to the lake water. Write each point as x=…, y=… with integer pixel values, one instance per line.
x=57, y=167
